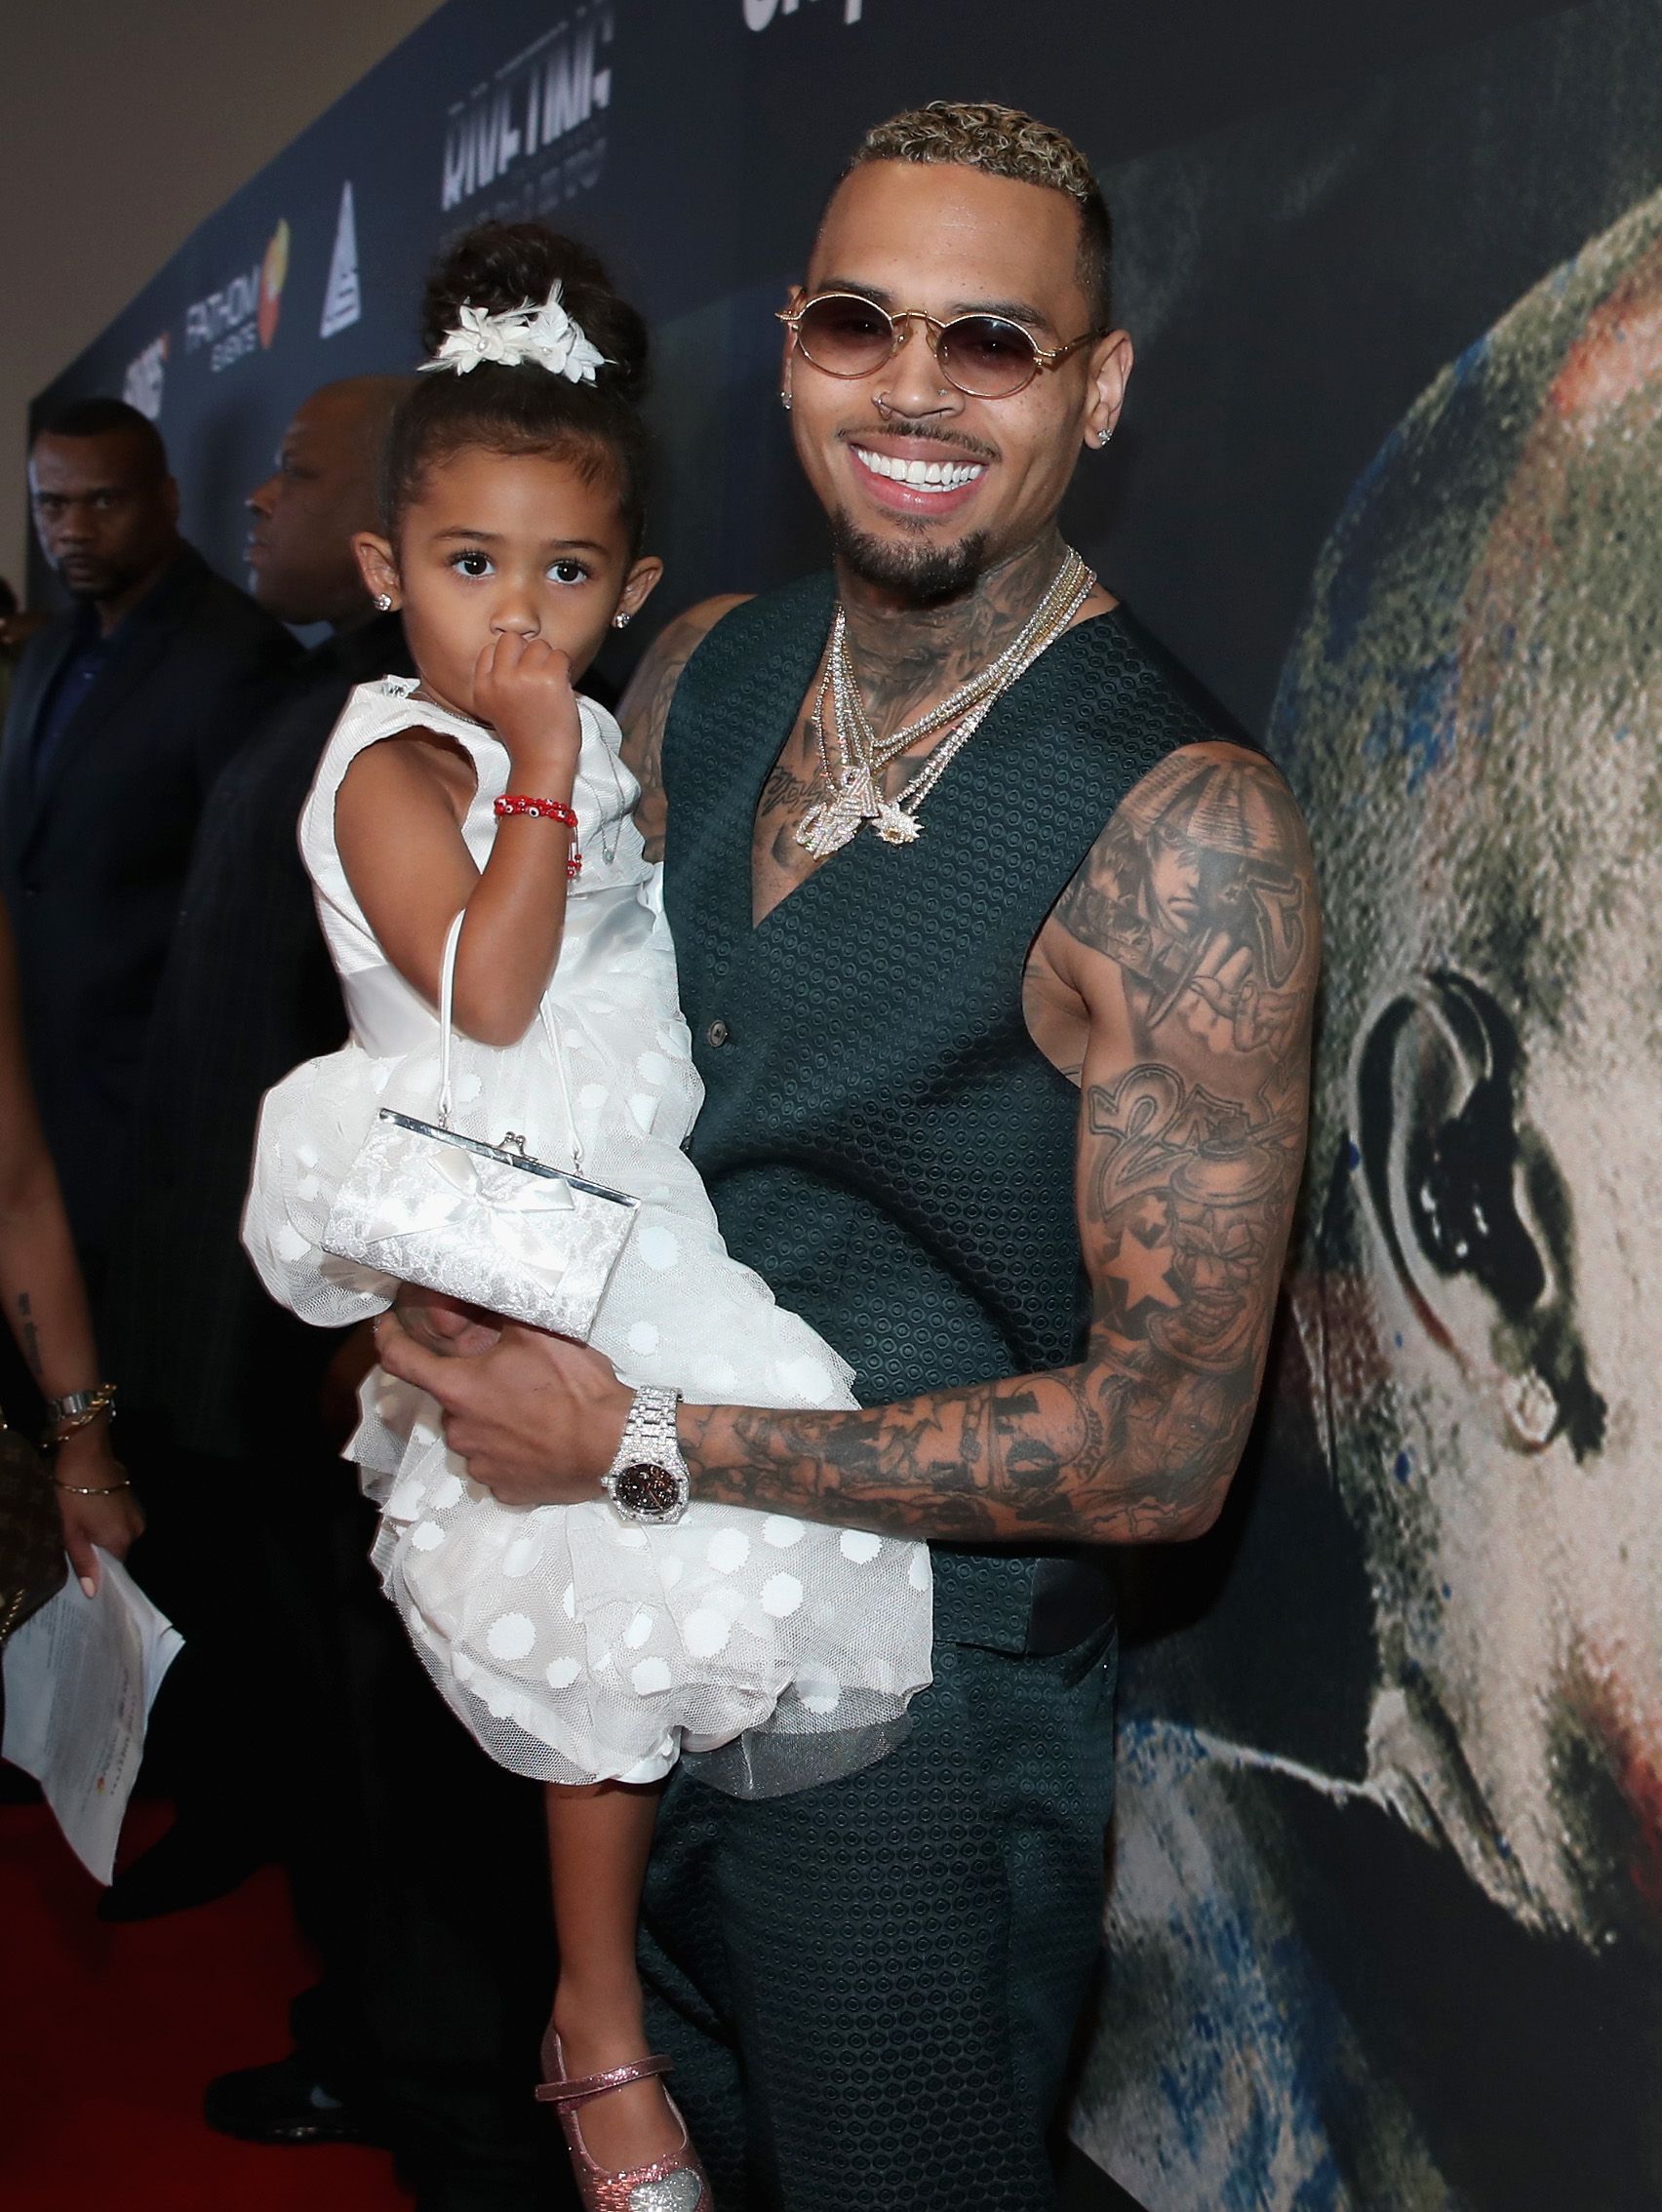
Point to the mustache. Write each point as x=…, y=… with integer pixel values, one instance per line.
x=896, y=425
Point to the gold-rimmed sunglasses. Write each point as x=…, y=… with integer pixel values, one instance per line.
x=982, y=356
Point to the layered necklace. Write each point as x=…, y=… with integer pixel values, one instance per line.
x=853, y=793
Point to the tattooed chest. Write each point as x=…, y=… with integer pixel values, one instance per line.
x=777, y=862
x=797, y=782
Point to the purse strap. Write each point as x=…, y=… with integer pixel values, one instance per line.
x=446, y=1031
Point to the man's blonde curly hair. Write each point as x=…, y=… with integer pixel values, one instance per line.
x=1004, y=141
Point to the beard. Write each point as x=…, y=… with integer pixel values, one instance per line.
x=922, y=575
x=92, y=581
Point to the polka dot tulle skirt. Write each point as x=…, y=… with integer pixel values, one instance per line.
x=574, y=1645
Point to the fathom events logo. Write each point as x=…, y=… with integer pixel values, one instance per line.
x=759, y=14
x=243, y=313
x=142, y=386
x=535, y=132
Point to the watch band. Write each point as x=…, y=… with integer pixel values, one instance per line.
x=647, y=1480
x=74, y=1402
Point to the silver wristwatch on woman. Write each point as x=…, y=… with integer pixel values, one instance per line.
x=647, y=1480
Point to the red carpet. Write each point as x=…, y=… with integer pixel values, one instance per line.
x=107, y=2036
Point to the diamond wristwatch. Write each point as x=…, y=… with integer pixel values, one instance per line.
x=647, y=1480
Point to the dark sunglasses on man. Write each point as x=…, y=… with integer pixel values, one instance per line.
x=983, y=356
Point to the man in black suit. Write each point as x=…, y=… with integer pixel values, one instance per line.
x=122, y=715
x=309, y=1719
x=249, y=992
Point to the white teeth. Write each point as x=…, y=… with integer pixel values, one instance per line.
x=920, y=475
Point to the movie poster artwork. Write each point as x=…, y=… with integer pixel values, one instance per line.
x=1385, y=1928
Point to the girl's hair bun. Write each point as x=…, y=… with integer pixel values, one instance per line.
x=500, y=266
x=522, y=406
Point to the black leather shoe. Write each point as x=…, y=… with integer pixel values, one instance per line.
x=285, y=2103
x=187, y=1866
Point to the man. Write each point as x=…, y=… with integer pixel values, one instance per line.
x=122, y=715
x=1437, y=1884
x=309, y=1726
x=249, y=991
x=870, y=1987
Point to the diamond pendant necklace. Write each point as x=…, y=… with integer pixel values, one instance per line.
x=852, y=794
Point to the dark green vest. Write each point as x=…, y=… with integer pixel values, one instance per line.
x=881, y=1139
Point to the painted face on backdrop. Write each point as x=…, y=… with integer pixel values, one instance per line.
x=952, y=241
x=1474, y=719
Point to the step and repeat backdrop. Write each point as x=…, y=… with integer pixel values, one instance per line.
x=1385, y=1920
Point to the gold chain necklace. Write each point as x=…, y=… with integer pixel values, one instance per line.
x=851, y=793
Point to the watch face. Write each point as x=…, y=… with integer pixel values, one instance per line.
x=643, y=1487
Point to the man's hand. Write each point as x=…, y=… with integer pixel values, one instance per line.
x=446, y=1326
x=536, y=1418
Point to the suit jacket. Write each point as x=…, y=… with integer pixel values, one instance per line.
x=93, y=860
x=247, y=992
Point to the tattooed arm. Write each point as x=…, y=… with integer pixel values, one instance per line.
x=1178, y=974
x=1176, y=979
x=643, y=709
x=46, y=1305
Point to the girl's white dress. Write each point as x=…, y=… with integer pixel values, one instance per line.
x=574, y=1645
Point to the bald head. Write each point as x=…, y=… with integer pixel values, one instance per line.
x=321, y=493
x=1473, y=710
x=1473, y=716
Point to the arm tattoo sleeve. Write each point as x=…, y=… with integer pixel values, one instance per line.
x=1190, y=936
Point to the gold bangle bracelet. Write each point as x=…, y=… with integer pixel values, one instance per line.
x=104, y=1490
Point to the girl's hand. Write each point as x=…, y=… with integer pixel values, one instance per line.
x=114, y=1522
x=521, y=686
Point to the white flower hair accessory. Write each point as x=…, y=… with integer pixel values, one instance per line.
x=547, y=335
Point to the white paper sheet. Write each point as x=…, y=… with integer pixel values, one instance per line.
x=80, y=1680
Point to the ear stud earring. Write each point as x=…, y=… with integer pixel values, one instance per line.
x=619, y=621
x=785, y=401
x=384, y=600
x=1102, y=438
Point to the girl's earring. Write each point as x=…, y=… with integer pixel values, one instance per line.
x=384, y=600
x=619, y=621
x=1102, y=438
x=785, y=401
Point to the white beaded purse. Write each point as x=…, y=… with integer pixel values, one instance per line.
x=481, y=1222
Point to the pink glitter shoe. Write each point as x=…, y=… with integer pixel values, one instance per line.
x=674, y=2183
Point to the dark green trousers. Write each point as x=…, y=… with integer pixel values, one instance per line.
x=870, y=1989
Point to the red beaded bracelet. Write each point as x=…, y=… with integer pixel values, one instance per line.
x=547, y=810
x=551, y=809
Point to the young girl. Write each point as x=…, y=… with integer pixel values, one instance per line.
x=578, y=1646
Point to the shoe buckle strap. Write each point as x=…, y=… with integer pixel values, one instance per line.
x=590, y=2085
